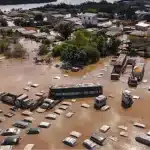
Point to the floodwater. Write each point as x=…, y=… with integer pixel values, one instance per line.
x=30, y=6
x=15, y=74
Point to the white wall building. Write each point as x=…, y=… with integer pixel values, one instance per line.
x=89, y=19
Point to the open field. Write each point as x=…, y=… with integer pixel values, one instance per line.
x=15, y=74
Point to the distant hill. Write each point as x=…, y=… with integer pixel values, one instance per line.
x=13, y=2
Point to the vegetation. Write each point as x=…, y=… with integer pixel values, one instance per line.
x=3, y=22
x=38, y=17
x=16, y=51
x=85, y=48
x=43, y=50
x=65, y=29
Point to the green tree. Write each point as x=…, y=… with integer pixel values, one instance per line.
x=101, y=41
x=114, y=45
x=65, y=29
x=43, y=49
x=57, y=50
x=73, y=55
x=4, y=44
x=10, y=32
x=3, y=22
x=46, y=41
x=38, y=17
x=46, y=30
x=80, y=39
x=93, y=54
x=18, y=51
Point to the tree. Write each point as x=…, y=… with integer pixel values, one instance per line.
x=101, y=41
x=46, y=41
x=80, y=39
x=10, y=32
x=4, y=44
x=43, y=49
x=46, y=30
x=57, y=50
x=65, y=29
x=18, y=51
x=38, y=17
x=73, y=55
x=3, y=22
x=93, y=55
x=18, y=22
x=114, y=45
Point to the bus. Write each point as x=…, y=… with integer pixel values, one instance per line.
x=75, y=91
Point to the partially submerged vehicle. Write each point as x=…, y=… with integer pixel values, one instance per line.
x=89, y=144
x=8, y=98
x=119, y=67
x=70, y=141
x=75, y=91
x=10, y=132
x=21, y=124
x=47, y=104
x=100, y=101
x=137, y=72
x=98, y=139
x=36, y=103
x=11, y=140
x=33, y=131
x=127, y=99
x=18, y=102
x=145, y=139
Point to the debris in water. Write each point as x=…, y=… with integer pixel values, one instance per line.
x=123, y=127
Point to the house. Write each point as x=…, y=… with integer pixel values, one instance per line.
x=114, y=31
x=89, y=19
x=142, y=26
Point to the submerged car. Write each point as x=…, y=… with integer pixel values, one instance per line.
x=10, y=132
x=21, y=124
x=11, y=140
x=33, y=131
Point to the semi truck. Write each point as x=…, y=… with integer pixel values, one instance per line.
x=119, y=67
x=137, y=72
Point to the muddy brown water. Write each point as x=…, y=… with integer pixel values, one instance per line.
x=16, y=73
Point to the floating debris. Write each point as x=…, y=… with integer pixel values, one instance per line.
x=145, y=81
x=136, y=97
x=65, y=75
x=34, y=85
x=105, y=108
x=123, y=127
x=58, y=111
x=73, y=100
x=57, y=77
x=26, y=88
x=84, y=105
x=148, y=133
x=113, y=138
x=124, y=134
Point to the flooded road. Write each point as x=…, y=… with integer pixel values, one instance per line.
x=15, y=74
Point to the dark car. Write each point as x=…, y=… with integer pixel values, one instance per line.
x=21, y=124
x=11, y=140
x=33, y=131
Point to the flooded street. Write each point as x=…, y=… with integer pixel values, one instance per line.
x=15, y=74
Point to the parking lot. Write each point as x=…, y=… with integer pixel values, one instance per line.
x=16, y=74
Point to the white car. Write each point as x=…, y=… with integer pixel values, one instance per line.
x=10, y=132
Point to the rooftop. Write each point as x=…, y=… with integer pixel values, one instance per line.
x=90, y=14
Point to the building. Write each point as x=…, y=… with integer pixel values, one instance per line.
x=142, y=26
x=89, y=19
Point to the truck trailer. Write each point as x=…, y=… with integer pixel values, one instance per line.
x=119, y=67
x=75, y=91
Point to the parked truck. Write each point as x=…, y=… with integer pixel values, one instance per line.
x=119, y=67
x=127, y=99
x=137, y=72
x=100, y=101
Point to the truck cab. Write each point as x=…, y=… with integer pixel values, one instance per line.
x=100, y=101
